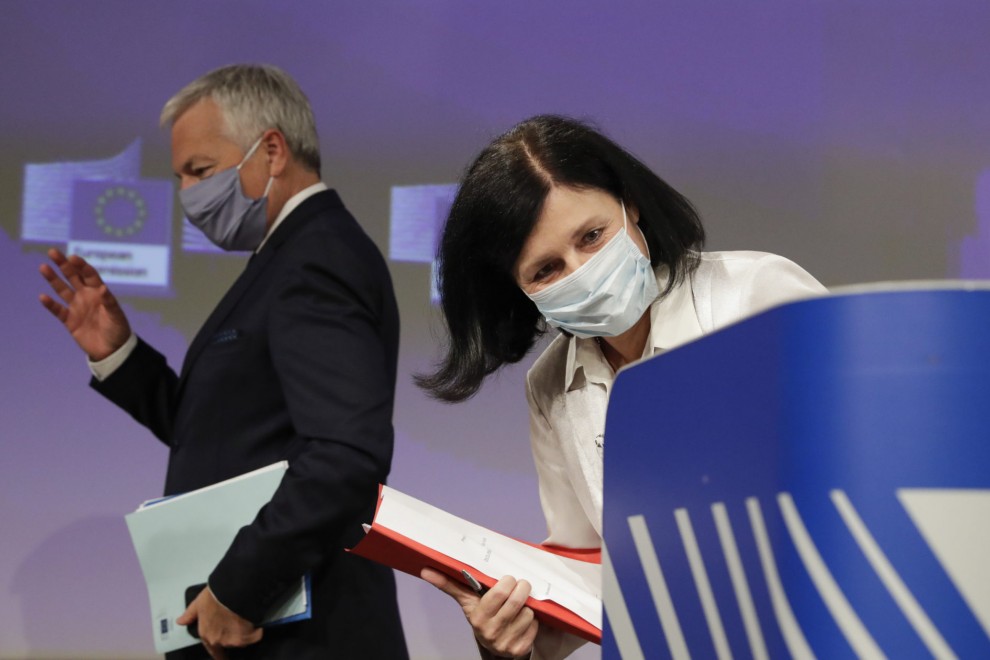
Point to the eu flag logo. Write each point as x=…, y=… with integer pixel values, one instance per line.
x=123, y=229
x=122, y=211
x=48, y=189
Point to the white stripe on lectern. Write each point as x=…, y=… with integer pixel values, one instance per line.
x=740, y=585
x=701, y=582
x=852, y=628
x=658, y=588
x=618, y=615
x=888, y=575
x=789, y=628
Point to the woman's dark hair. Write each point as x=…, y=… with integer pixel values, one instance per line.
x=490, y=321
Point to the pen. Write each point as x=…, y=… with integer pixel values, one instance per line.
x=477, y=586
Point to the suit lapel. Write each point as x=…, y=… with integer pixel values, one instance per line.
x=223, y=310
x=256, y=265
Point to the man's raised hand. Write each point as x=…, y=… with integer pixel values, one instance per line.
x=84, y=305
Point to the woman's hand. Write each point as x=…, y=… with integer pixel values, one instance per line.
x=88, y=310
x=501, y=621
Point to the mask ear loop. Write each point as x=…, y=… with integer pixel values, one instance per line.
x=250, y=153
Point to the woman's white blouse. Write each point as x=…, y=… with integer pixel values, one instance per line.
x=568, y=386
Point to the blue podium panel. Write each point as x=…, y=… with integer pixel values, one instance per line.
x=813, y=481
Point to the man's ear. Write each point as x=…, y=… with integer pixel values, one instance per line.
x=276, y=151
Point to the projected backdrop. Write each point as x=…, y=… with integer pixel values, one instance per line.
x=852, y=139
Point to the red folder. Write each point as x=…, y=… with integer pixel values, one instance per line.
x=388, y=547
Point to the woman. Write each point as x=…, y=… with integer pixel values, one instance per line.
x=556, y=225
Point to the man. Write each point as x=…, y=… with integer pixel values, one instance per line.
x=296, y=363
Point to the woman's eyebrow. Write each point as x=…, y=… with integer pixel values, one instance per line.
x=591, y=221
x=537, y=264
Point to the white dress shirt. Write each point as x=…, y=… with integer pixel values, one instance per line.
x=568, y=387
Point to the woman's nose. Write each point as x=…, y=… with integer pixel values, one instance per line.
x=572, y=262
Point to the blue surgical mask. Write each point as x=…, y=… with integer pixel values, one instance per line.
x=220, y=209
x=606, y=295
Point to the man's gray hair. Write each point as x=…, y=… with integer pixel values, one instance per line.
x=252, y=99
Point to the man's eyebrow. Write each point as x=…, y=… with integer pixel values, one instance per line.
x=187, y=163
x=197, y=156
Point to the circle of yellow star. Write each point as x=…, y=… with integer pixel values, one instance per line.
x=125, y=194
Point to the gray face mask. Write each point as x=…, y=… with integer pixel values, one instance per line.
x=219, y=208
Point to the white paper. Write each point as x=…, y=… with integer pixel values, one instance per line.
x=573, y=583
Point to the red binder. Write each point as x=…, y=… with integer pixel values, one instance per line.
x=391, y=548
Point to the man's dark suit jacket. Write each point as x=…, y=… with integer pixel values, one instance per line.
x=296, y=363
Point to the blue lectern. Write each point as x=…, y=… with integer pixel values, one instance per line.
x=811, y=482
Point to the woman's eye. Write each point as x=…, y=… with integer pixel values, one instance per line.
x=543, y=273
x=592, y=236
